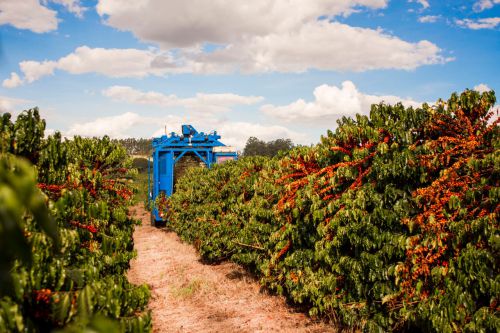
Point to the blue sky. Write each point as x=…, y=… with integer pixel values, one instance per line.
x=283, y=68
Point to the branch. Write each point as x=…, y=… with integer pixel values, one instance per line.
x=248, y=245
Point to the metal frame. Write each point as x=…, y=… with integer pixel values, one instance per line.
x=168, y=150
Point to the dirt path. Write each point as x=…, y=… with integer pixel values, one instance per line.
x=188, y=296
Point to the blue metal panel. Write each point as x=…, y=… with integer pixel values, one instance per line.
x=149, y=181
x=169, y=186
x=163, y=176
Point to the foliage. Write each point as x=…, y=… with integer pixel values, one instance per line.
x=136, y=146
x=66, y=239
x=141, y=164
x=24, y=137
x=389, y=223
x=18, y=191
x=141, y=181
x=256, y=147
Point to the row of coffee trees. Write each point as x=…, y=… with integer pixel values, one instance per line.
x=65, y=236
x=390, y=223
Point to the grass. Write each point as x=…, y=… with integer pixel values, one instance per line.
x=189, y=289
x=141, y=184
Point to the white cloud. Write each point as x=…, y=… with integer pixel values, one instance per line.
x=28, y=14
x=322, y=45
x=12, y=105
x=319, y=45
x=429, y=18
x=423, y=3
x=191, y=22
x=113, y=126
x=13, y=81
x=233, y=133
x=207, y=106
x=482, y=88
x=481, y=5
x=206, y=103
x=34, y=70
x=331, y=103
x=483, y=23
x=277, y=36
x=35, y=15
x=281, y=35
x=73, y=6
x=236, y=134
x=109, y=62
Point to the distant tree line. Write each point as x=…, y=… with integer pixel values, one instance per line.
x=136, y=146
x=253, y=147
x=256, y=147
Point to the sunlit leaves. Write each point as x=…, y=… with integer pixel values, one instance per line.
x=389, y=223
x=65, y=252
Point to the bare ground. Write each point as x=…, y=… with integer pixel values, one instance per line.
x=189, y=296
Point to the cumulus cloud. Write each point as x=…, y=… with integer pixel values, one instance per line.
x=28, y=14
x=429, y=18
x=13, y=81
x=276, y=36
x=113, y=126
x=191, y=22
x=109, y=62
x=481, y=5
x=325, y=46
x=34, y=70
x=482, y=88
x=73, y=6
x=331, y=103
x=319, y=45
x=11, y=105
x=281, y=35
x=483, y=23
x=207, y=103
x=233, y=133
x=423, y=3
x=236, y=134
x=35, y=15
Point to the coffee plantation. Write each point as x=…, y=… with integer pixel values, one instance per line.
x=390, y=223
x=65, y=236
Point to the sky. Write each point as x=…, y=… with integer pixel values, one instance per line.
x=263, y=68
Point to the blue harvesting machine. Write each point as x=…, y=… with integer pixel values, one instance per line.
x=169, y=152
